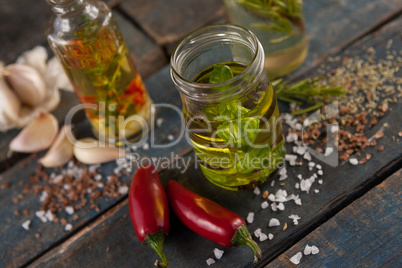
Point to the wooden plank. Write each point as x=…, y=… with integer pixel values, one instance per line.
x=341, y=185
x=364, y=234
x=167, y=22
x=148, y=57
x=330, y=24
x=20, y=246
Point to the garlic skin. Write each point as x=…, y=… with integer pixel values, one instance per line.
x=26, y=82
x=10, y=105
x=35, y=58
x=36, y=136
x=93, y=154
x=60, y=152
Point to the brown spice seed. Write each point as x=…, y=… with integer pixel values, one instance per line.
x=5, y=185
x=285, y=227
x=379, y=134
x=265, y=194
x=381, y=148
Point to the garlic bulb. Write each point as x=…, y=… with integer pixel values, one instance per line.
x=88, y=151
x=60, y=152
x=27, y=82
x=36, y=136
x=10, y=105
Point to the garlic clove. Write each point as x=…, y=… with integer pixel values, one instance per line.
x=27, y=83
x=36, y=136
x=10, y=105
x=88, y=151
x=60, y=152
x=35, y=58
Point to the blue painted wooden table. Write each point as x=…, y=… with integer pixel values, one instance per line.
x=353, y=216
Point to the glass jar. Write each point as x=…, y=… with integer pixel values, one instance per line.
x=229, y=107
x=279, y=25
x=87, y=41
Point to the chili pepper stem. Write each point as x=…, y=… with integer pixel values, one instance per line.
x=243, y=237
x=156, y=242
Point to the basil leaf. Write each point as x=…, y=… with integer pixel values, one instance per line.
x=220, y=73
x=239, y=133
x=232, y=110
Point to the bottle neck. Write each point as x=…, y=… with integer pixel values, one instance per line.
x=64, y=7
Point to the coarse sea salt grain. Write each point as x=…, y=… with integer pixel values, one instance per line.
x=145, y=146
x=353, y=161
x=272, y=183
x=210, y=261
x=263, y=237
x=307, y=156
x=170, y=137
x=301, y=150
x=41, y=215
x=320, y=181
x=295, y=219
x=320, y=172
x=297, y=185
x=283, y=177
x=123, y=189
x=68, y=227
x=290, y=157
x=318, y=166
x=316, y=191
x=298, y=202
x=218, y=253
x=314, y=250
x=328, y=151
x=257, y=232
x=159, y=122
x=264, y=205
x=274, y=207
x=98, y=177
x=250, y=217
x=283, y=171
x=281, y=206
x=296, y=258
x=273, y=222
x=305, y=185
x=257, y=191
x=26, y=224
x=270, y=236
x=69, y=210
x=49, y=215
x=307, y=250
x=271, y=197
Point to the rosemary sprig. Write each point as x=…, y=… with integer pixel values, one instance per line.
x=283, y=14
x=307, y=91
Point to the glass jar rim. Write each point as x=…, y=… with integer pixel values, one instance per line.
x=176, y=75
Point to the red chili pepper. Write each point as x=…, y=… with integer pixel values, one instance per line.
x=149, y=210
x=210, y=219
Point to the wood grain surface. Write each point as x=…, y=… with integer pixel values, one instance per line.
x=367, y=233
x=341, y=185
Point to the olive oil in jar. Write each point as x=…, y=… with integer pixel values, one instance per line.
x=239, y=140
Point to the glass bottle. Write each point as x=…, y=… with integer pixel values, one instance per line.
x=87, y=41
x=279, y=25
x=229, y=107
